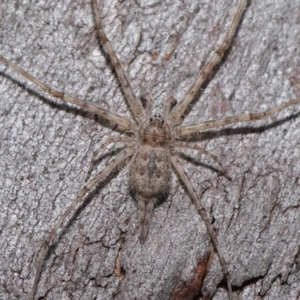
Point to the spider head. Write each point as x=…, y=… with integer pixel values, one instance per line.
x=156, y=120
x=155, y=131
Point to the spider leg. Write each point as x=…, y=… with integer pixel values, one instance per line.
x=146, y=207
x=134, y=103
x=149, y=104
x=102, y=147
x=180, y=144
x=189, y=129
x=167, y=107
x=121, y=157
x=105, y=114
x=179, y=109
x=182, y=176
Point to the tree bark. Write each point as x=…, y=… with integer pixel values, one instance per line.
x=46, y=147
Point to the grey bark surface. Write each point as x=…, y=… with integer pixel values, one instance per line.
x=46, y=147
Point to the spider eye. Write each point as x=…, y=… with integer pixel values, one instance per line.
x=151, y=119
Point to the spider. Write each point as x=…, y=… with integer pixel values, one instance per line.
x=151, y=140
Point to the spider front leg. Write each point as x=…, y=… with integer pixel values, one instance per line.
x=183, y=177
x=149, y=105
x=169, y=103
x=178, y=111
x=189, y=129
x=120, y=158
x=103, y=113
x=134, y=103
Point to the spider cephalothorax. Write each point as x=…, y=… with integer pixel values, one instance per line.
x=155, y=131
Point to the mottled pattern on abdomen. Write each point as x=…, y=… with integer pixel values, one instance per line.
x=149, y=173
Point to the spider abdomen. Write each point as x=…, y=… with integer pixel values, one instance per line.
x=149, y=173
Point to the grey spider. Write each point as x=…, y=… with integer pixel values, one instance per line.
x=152, y=139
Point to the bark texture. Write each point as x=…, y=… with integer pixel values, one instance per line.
x=46, y=146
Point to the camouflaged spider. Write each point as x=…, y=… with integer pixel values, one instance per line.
x=151, y=139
